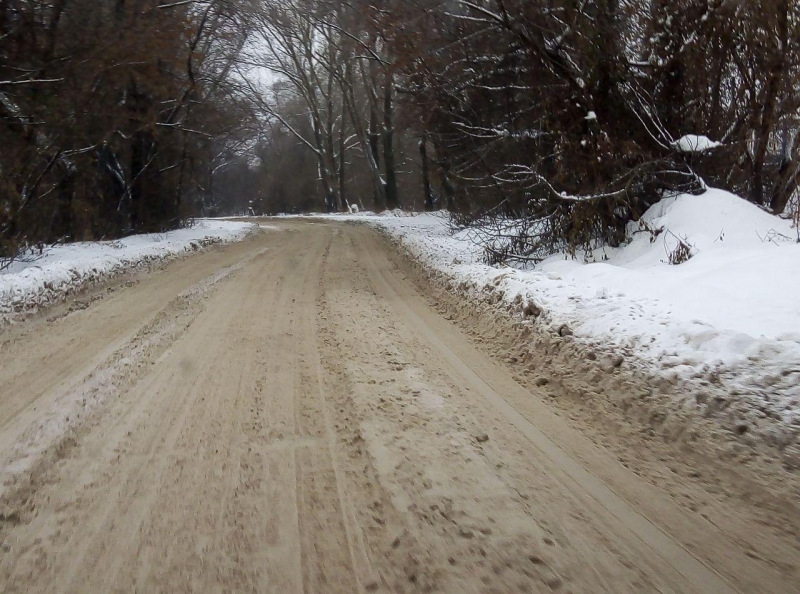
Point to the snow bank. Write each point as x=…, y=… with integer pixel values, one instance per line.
x=33, y=283
x=733, y=309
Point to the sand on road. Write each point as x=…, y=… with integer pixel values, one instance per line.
x=290, y=414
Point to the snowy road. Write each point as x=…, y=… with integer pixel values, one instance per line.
x=290, y=414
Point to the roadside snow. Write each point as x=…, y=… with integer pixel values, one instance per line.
x=732, y=309
x=29, y=284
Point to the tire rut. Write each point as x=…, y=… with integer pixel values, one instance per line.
x=303, y=421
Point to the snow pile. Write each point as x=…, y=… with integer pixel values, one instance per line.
x=734, y=304
x=731, y=310
x=692, y=143
x=29, y=284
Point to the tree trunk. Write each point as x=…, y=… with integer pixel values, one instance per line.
x=787, y=178
x=426, y=173
x=374, y=116
x=769, y=111
x=61, y=227
x=392, y=198
x=363, y=139
x=343, y=159
x=331, y=200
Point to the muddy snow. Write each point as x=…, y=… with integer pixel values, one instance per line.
x=721, y=331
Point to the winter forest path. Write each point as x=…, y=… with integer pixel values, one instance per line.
x=290, y=414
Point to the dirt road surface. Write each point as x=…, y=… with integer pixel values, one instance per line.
x=290, y=414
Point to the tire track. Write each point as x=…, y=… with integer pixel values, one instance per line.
x=305, y=423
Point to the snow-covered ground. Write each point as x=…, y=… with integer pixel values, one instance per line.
x=732, y=309
x=42, y=280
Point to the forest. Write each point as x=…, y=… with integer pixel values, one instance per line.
x=545, y=124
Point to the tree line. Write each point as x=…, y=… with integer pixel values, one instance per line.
x=114, y=115
x=551, y=123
